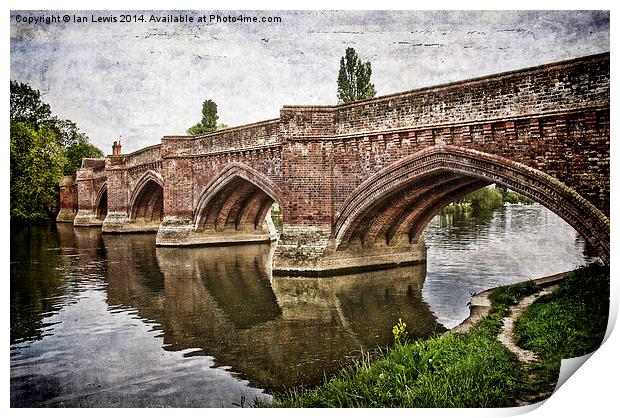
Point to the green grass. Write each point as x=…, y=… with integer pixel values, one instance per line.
x=470, y=369
x=473, y=369
x=569, y=322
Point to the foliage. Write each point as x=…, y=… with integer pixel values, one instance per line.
x=516, y=198
x=208, y=123
x=510, y=295
x=26, y=105
x=400, y=335
x=458, y=370
x=456, y=209
x=512, y=198
x=76, y=152
x=473, y=369
x=354, y=78
x=569, y=322
x=485, y=199
x=43, y=147
x=37, y=162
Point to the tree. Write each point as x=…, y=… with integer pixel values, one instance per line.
x=42, y=148
x=26, y=105
x=37, y=162
x=354, y=78
x=78, y=151
x=208, y=123
x=68, y=133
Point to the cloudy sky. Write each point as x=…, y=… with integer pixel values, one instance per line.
x=144, y=80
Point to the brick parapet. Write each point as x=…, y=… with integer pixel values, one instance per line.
x=245, y=137
x=564, y=86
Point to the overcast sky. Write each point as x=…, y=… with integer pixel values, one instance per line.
x=145, y=80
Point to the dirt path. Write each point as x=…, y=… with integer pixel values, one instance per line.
x=480, y=305
x=506, y=335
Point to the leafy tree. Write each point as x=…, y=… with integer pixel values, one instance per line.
x=485, y=199
x=208, y=123
x=68, y=133
x=26, y=105
x=37, y=162
x=354, y=78
x=42, y=148
x=77, y=151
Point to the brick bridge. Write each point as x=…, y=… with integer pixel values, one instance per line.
x=359, y=182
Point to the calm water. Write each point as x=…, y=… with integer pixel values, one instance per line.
x=111, y=320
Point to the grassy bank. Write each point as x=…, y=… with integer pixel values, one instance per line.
x=470, y=369
x=569, y=322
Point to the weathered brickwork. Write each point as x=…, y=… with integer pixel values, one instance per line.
x=134, y=191
x=68, y=199
x=89, y=179
x=359, y=182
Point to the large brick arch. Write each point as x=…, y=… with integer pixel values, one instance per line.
x=101, y=202
x=146, y=202
x=402, y=198
x=238, y=197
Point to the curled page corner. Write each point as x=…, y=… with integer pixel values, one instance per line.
x=568, y=367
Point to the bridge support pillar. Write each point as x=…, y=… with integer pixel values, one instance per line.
x=87, y=217
x=67, y=200
x=85, y=199
x=311, y=251
x=119, y=223
x=180, y=231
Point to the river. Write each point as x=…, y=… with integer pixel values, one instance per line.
x=112, y=320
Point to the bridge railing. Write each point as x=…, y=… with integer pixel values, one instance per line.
x=250, y=136
x=95, y=164
x=146, y=155
x=556, y=87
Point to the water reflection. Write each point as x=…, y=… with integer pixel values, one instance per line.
x=278, y=333
x=99, y=350
x=469, y=253
x=114, y=321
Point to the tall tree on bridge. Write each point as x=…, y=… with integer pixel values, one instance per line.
x=354, y=78
x=208, y=123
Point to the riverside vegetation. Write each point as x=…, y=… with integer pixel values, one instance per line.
x=485, y=200
x=43, y=148
x=472, y=368
x=569, y=322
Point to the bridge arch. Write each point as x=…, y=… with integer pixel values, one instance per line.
x=147, y=199
x=238, y=198
x=101, y=202
x=397, y=203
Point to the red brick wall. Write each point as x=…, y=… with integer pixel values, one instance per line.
x=191, y=163
x=68, y=193
x=554, y=118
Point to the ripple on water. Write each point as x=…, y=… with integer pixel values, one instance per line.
x=119, y=322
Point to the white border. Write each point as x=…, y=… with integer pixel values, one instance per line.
x=591, y=391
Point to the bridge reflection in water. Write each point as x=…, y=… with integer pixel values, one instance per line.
x=277, y=332
x=114, y=321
